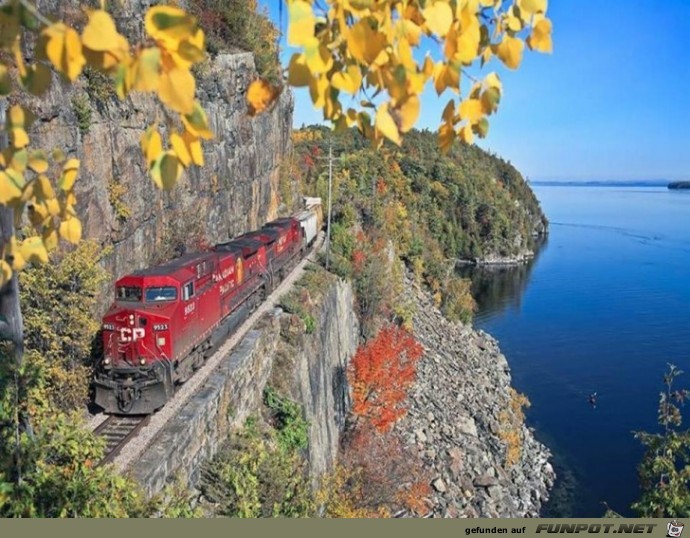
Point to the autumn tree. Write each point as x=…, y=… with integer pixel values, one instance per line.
x=380, y=374
x=373, y=50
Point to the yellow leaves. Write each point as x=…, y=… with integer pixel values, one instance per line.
x=100, y=33
x=5, y=273
x=70, y=170
x=260, y=96
x=471, y=110
x=365, y=44
x=510, y=51
x=386, y=125
x=11, y=184
x=170, y=25
x=317, y=56
x=166, y=170
x=176, y=89
x=197, y=122
x=302, y=22
x=144, y=73
x=70, y=230
x=298, y=72
x=33, y=250
x=152, y=144
x=64, y=49
x=348, y=81
x=531, y=7
x=438, y=17
x=541, y=37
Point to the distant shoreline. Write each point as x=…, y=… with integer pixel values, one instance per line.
x=679, y=185
x=652, y=183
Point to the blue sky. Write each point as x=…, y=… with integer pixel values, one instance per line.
x=611, y=103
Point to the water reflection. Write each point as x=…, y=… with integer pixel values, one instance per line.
x=496, y=288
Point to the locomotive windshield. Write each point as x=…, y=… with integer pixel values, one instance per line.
x=165, y=293
x=129, y=293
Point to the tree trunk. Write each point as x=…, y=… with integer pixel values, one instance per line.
x=11, y=324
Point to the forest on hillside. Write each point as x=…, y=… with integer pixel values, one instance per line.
x=432, y=208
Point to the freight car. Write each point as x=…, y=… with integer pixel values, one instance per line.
x=167, y=320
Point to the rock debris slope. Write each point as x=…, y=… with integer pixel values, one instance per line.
x=483, y=460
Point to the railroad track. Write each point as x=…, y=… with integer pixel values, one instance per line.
x=117, y=432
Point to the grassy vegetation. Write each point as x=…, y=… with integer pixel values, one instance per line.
x=238, y=25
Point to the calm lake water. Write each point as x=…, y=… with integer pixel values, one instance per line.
x=604, y=307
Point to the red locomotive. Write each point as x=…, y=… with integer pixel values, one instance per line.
x=166, y=320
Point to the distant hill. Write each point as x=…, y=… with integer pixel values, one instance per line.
x=642, y=183
x=679, y=185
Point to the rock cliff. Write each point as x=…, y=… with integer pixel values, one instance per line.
x=235, y=191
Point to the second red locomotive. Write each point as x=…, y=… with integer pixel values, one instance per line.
x=166, y=320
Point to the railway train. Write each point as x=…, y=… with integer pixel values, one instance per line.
x=165, y=321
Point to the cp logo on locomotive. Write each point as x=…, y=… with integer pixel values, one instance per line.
x=131, y=335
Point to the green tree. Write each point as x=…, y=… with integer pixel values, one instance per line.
x=665, y=468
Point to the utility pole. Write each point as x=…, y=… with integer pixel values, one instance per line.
x=330, y=183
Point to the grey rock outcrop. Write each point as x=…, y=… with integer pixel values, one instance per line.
x=463, y=384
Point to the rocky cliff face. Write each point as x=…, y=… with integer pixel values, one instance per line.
x=235, y=191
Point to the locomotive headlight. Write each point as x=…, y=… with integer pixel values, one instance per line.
x=131, y=319
x=160, y=341
x=142, y=362
x=106, y=361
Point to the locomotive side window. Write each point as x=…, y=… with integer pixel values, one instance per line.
x=188, y=291
x=129, y=293
x=165, y=293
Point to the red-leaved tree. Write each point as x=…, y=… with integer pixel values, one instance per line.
x=381, y=373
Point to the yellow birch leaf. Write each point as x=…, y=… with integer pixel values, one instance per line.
x=317, y=91
x=365, y=44
x=342, y=81
x=166, y=171
x=540, y=39
x=194, y=147
x=53, y=207
x=154, y=146
x=144, y=73
x=33, y=250
x=317, y=56
x=411, y=31
x=180, y=149
x=260, y=96
x=43, y=189
x=301, y=22
x=492, y=80
x=481, y=128
x=5, y=273
x=50, y=238
x=100, y=33
x=10, y=188
x=169, y=25
x=471, y=110
x=176, y=90
x=408, y=113
x=466, y=134
x=449, y=112
x=490, y=99
x=70, y=230
x=386, y=125
x=70, y=170
x=438, y=17
x=64, y=49
x=530, y=7
x=298, y=72
x=510, y=51
x=446, y=136
x=38, y=162
x=19, y=138
x=197, y=122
